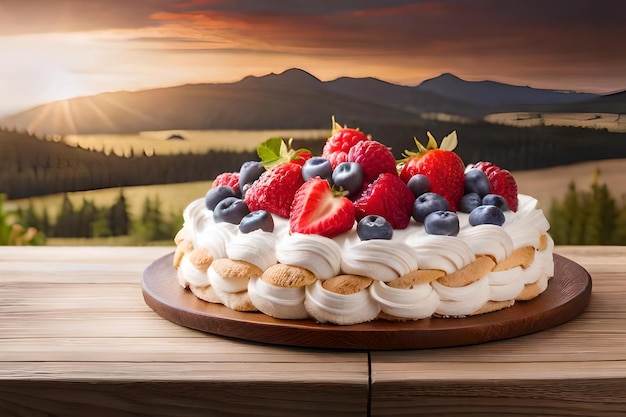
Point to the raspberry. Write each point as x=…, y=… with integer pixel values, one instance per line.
x=337, y=146
x=501, y=181
x=275, y=189
x=389, y=197
x=230, y=179
x=374, y=157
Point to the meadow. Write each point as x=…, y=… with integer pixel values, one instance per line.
x=610, y=121
x=193, y=141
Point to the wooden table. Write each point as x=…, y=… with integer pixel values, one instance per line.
x=77, y=339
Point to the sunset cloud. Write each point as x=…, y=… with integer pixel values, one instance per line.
x=547, y=44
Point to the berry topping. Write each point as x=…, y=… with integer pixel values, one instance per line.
x=388, y=197
x=217, y=194
x=339, y=143
x=486, y=215
x=419, y=184
x=501, y=182
x=374, y=157
x=426, y=204
x=230, y=210
x=318, y=210
x=256, y=220
x=443, y=167
x=249, y=172
x=469, y=202
x=230, y=179
x=275, y=189
x=476, y=181
x=349, y=177
x=317, y=166
x=374, y=227
x=495, y=200
x=442, y=222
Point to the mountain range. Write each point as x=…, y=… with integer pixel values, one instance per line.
x=295, y=99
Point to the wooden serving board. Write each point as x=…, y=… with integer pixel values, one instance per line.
x=567, y=295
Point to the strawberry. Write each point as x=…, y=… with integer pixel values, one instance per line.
x=276, y=187
x=230, y=179
x=443, y=167
x=301, y=157
x=501, y=182
x=342, y=139
x=389, y=197
x=318, y=210
x=374, y=157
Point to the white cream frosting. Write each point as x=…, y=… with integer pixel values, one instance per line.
x=414, y=303
x=462, y=301
x=192, y=274
x=275, y=301
x=229, y=284
x=318, y=254
x=382, y=260
x=257, y=247
x=327, y=306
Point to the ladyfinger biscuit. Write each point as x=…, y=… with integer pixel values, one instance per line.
x=520, y=257
x=230, y=268
x=288, y=276
x=481, y=266
x=201, y=258
x=491, y=306
x=347, y=284
x=417, y=277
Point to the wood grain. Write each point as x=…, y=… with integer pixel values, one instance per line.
x=77, y=339
x=576, y=369
x=567, y=295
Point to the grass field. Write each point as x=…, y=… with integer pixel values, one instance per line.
x=544, y=184
x=610, y=121
x=195, y=141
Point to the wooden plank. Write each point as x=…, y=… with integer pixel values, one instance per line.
x=76, y=339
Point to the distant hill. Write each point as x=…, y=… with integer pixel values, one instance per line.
x=293, y=99
x=494, y=94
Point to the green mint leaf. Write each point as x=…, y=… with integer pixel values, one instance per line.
x=271, y=150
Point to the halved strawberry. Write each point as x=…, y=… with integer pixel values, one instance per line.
x=339, y=143
x=317, y=209
x=501, y=181
x=443, y=167
x=389, y=197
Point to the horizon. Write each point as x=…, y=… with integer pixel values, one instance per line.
x=61, y=50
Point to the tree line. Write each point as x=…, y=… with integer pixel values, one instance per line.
x=90, y=220
x=32, y=166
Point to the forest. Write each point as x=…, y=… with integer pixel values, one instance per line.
x=34, y=166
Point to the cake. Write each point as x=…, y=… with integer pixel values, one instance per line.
x=353, y=235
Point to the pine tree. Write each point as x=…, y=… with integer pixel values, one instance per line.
x=119, y=220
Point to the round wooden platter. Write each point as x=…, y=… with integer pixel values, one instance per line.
x=567, y=295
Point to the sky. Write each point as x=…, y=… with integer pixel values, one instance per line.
x=52, y=50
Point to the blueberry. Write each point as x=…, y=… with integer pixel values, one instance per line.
x=217, y=194
x=255, y=220
x=250, y=171
x=495, y=200
x=419, y=184
x=374, y=227
x=475, y=181
x=469, y=202
x=426, y=204
x=230, y=210
x=349, y=176
x=317, y=166
x=486, y=214
x=442, y=222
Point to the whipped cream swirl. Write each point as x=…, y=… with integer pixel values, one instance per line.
x=318, y=254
